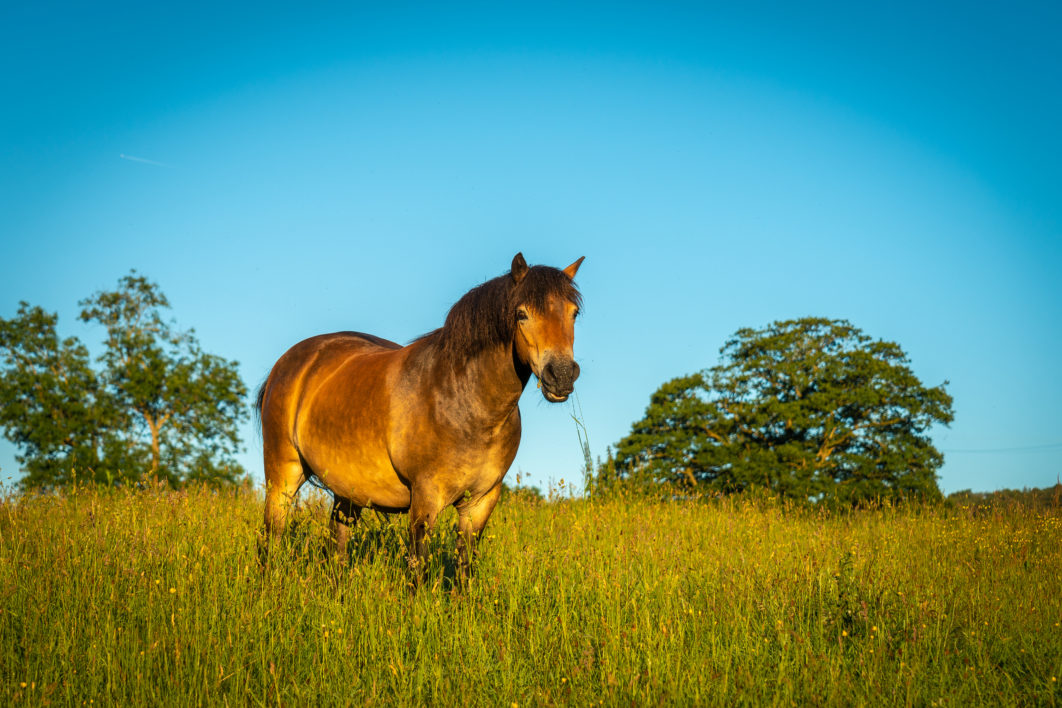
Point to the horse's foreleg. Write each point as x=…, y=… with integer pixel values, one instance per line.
x=344, y=515
x=471, y=520
x=424, y=509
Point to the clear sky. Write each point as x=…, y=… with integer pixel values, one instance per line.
x=331, y=167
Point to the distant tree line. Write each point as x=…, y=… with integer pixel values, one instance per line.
x=809, y=409
x=1029, y=499
x=152, y=404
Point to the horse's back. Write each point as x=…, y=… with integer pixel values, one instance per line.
x=325, y=348
x=306, y=362
x=343, y=341
x=359, y=337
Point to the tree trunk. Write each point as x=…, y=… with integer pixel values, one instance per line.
x=155, y=426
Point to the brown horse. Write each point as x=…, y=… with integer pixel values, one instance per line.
x=419, y=427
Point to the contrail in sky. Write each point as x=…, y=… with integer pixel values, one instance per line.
x=145, y=161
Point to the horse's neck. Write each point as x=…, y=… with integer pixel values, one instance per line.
x=488, y=386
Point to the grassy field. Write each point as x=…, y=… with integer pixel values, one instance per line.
x=154, y=597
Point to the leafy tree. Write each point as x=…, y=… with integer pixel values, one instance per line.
x=809, y=409
x=158, y=406
x=184, y=404
x=52, y=404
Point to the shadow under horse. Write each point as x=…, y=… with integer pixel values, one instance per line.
x=420, y=427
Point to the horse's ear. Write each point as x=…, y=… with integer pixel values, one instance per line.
x=519, y=269
x=571, y=270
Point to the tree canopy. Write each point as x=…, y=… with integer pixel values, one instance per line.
x=157, y=404
x=809, y=409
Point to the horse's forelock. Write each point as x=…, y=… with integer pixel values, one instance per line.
x=541, y=285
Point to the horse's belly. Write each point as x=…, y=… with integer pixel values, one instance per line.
x=362, y=479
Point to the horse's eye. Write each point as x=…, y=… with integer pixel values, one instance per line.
x=575, y=314
x=521, y=315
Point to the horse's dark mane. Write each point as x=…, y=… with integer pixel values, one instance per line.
x=486, y=315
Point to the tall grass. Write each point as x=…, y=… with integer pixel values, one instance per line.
x=154, y=597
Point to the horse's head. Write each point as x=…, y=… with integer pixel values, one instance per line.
x=546, y=304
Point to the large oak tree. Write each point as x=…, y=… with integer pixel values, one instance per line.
x=810, y=409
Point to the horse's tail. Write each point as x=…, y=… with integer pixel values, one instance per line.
x=259, y=398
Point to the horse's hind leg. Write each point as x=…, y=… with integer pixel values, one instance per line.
x=283, y=479
x=344, y=515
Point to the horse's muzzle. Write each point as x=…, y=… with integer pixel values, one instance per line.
x=558, y=379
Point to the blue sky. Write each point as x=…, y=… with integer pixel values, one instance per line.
x=361, y=166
